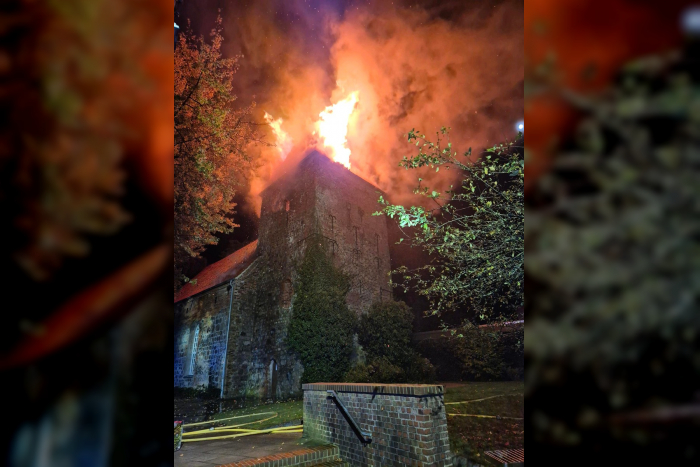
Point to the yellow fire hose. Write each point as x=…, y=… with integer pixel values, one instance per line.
x=239, y=431
x=481, y=416
x=291, y=429
x=229, y=418
x=478, y=400
x=232, y=426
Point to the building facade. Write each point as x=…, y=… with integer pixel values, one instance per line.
x=231, y=325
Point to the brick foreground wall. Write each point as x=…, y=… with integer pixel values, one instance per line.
x=407, y=423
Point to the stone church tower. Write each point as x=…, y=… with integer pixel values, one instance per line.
x=231, y=325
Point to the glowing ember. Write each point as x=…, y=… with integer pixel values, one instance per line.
x=284, y=141
x=333, y=128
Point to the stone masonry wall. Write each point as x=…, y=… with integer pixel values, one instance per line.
x=210, y=311
x=407, y=423
x=323, y=197
x=344, y=204
x=259, y=364
x=319, y=197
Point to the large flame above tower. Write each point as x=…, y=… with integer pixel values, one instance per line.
x=332, y=128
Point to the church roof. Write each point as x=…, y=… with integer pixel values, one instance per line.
x=221, y=271
x=317, y=163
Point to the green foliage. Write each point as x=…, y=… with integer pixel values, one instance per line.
x=613, y=259
x=322, y=327
x=385, y=331
x=385, y=335
x=383, y=370
x=212, y=139
x=379, y=370
x=420, y=370
x=478, y=355
x=476, y=233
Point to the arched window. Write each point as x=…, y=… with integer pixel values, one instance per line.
x=193, y=352
x=286, y=294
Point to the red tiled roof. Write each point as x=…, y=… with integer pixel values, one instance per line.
x=221, y=271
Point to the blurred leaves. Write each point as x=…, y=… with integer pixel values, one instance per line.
x=612, y=249
x=66, y=77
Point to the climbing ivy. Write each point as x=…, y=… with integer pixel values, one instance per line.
x=321, y=328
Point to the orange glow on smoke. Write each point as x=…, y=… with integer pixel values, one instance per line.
x=284, y=141
x=333, y=128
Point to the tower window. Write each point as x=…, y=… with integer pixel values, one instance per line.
x=286, y=205
x=376, y=236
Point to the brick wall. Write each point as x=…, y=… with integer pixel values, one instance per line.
x=407, y=423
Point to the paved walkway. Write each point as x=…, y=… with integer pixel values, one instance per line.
x=226, y=451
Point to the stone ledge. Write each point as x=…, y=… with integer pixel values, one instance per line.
x=373, y=388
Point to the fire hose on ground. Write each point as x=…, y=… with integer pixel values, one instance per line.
x=239, y=432
x=481, y=416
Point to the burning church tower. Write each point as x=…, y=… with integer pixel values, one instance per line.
x=231, y=325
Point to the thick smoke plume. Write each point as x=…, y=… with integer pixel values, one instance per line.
x=414, y=66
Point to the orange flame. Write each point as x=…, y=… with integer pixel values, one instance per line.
x=284, y=141
x=333, y=128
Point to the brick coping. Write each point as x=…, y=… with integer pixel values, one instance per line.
x=307, y=454
x=373, y=388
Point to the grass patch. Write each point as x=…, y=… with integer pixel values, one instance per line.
x=289, y=411
x=469, y=391
x=471, y=436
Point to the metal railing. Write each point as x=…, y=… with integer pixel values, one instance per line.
x=363, y=436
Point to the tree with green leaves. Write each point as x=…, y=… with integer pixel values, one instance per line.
x=211, y=141
x=384, y=333
x=475, y=235
x=322, y=327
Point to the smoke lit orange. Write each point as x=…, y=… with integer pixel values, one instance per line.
x=333, y=128
x=284, y=141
